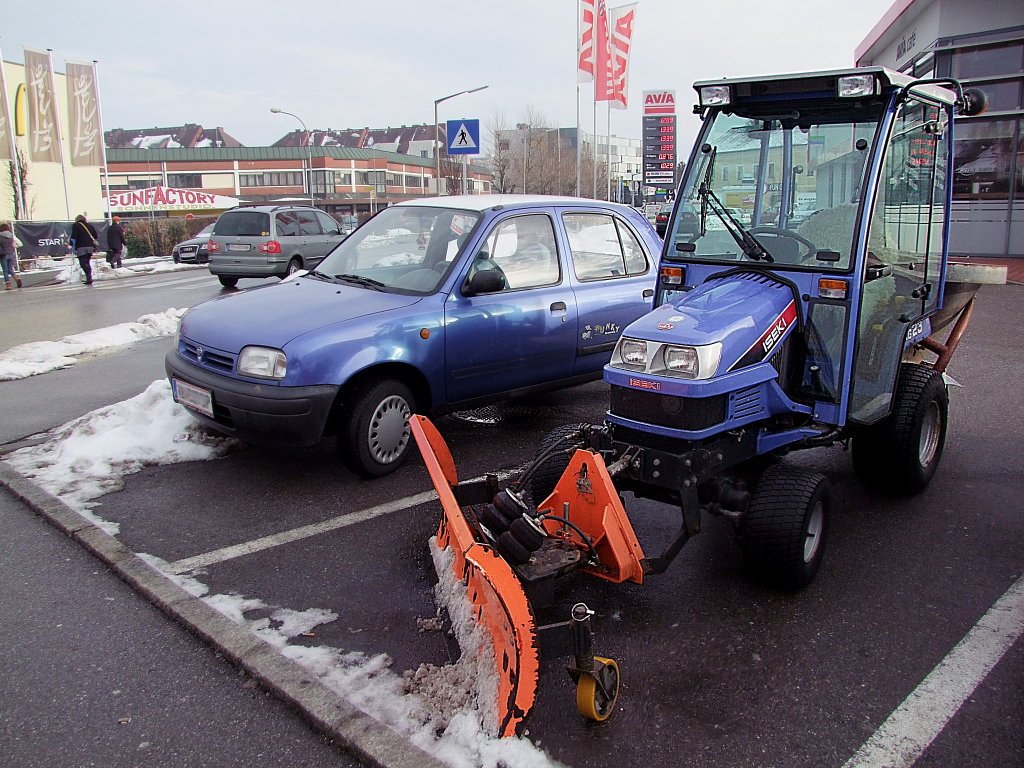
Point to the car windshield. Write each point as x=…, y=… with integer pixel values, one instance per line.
x=781, y=189
x=402, y=248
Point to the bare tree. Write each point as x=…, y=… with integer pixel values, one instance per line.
x=19, y=180
x=501, y=154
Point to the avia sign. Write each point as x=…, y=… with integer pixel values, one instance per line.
x=169, y=199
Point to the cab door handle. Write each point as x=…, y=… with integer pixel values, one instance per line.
x=648, y=292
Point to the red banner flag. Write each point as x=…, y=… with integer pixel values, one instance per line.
x=602, y=60
x=585, y=43
x=620, y=27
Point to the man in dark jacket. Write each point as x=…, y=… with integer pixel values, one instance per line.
x=84, y=237
x=115, y=243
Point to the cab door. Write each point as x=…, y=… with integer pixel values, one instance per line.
x=522, y=334
x=906, y=235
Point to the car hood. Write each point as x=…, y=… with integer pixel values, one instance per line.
x=274, y=315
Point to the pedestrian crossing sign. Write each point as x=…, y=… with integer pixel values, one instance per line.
x=463, y=137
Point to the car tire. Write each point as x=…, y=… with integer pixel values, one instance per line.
x=228, y=282
x=293, y=266
x=176, y=258
x=900, y=454
x=784, y=530
x=375, y=436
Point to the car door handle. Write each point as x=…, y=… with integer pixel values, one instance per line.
x=648, y=293
x=558, y=306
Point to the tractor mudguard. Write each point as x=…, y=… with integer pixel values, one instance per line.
x=497, y=596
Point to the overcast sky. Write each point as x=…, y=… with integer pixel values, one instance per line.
x=344, y=64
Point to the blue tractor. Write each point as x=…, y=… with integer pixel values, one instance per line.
x=803, y=286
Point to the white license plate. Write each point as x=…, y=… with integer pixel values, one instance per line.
x=194, y=397
x=239, y=247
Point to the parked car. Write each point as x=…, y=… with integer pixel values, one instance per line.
x=431, y=306
x=269, y=241
x=193, y=250
x=662, y=217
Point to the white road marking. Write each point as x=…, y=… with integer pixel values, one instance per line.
x=916, y=723
x=306, y=531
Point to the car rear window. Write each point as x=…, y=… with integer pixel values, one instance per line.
x=243, y=224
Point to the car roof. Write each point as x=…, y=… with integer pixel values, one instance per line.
x=487, y=202
x=271, y=208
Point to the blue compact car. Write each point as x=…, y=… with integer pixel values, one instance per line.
x=433, y=305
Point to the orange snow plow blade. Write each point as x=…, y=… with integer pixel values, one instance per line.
x=497, y=596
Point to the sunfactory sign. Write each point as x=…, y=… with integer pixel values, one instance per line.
x=169, y=199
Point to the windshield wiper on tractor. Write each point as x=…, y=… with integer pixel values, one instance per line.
x=749, y=244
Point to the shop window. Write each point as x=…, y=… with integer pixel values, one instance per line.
x=986, y=61
x=1003, y=96
x=983, y=159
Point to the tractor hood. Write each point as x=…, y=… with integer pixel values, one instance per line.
x=749, y=313
x=274, y=315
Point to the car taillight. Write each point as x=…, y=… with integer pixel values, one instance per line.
x=271, y=246
x=212, y=247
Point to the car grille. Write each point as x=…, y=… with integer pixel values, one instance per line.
x=689, y=413
x=206, y=358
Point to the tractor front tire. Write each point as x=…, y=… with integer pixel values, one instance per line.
x=547, y=475
x=784, y=530
x=900, y=454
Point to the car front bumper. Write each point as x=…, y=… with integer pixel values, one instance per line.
x=286, y=417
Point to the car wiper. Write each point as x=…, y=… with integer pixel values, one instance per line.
x=365, y=282
x=319, y=276
x=749, y=244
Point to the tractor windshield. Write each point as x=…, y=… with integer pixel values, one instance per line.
x=778, y=188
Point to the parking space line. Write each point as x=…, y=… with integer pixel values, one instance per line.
x=915, y=724
x=306, y=531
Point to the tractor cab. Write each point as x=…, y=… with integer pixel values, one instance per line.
x=833, y=188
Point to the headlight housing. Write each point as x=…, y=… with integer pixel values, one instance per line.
x=263, y=363
x=632, y=354
x=682, y=360
x=688, y=362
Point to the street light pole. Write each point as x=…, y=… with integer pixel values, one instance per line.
x=309, y=150
x=437, y=134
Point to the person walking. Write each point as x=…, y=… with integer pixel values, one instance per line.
x=9, y=245
x=84, y=237
x=115, y=243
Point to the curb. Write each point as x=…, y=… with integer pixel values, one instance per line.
x=364, y=737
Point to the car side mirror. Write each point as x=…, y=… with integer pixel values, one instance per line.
x=484, y=281
x=876, y=271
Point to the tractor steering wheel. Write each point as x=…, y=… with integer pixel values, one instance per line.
x=789, y=234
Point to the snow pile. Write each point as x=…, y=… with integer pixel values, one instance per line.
x=89, y=457
x=42, y=356
x=438, y=708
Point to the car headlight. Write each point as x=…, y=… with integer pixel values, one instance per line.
x=633, y=353
x=692, y=362
x=263, y=362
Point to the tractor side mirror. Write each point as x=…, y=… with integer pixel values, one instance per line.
x=975, y=102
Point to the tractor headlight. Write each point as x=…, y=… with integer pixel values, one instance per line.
x=263, y=363
x=632, y=353
x=715, y=95
x=856, y=86
x=682, y=360
x=691, y=362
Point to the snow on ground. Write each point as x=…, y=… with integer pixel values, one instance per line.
x=440, y=709
x=42, y=356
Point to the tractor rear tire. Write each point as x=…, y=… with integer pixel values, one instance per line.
x=547, y=475
x=784, y=530
x=900, y=454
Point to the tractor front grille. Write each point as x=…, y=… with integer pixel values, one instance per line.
x=689, y=413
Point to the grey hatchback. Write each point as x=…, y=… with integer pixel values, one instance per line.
x=270, y=241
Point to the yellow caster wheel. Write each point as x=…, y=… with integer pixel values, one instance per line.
x=597, y=693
